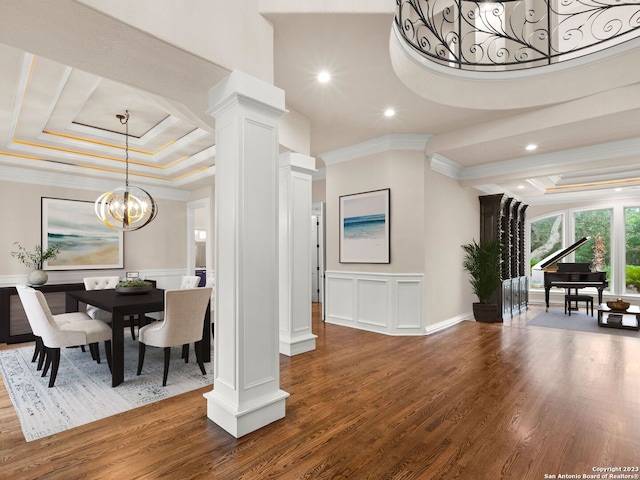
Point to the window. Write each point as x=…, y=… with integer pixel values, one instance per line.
x=545, y=236
x=613, y=247
x=632, y=249
x=597, y=253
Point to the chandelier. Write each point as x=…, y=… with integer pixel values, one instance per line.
x=126, y=208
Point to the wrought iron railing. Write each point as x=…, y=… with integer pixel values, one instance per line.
x=514, y=34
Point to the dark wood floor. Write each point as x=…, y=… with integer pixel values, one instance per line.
x=475, y=401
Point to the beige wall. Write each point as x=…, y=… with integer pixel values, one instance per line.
x=402, y=172
x=295, y=132
x=162, y=243
x=159, y=245
x=431, y=217
x=452, y=218
x=319, y=190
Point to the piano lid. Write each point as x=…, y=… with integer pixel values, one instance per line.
x=560, y=254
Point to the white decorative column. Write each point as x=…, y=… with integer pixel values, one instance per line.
x=246, y=394
x=295, y=254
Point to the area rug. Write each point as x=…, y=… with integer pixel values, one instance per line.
x=83, y=394
x=578, y=321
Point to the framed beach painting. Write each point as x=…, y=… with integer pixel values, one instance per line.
x=364, y=227
x=86, y=243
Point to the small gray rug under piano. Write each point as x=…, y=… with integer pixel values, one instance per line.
x=578, y=321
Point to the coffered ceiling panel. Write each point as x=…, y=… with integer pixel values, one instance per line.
x=55, y=118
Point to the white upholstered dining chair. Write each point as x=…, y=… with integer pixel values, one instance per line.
x=190, y=281
x=60, y=319
x=184, y=313
x=60, y=331
x=104, y=283
x=100, y=283
x=187, y=281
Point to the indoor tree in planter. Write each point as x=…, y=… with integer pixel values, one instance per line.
x=482, y=262
x=34, y=260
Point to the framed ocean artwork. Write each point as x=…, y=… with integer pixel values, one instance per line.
x=365, y=227
x=86, y=243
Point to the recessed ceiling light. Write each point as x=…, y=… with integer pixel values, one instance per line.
x=324, y=76
x=531, y=147
x=389, y=112
x=520, y=187
x=619, y=189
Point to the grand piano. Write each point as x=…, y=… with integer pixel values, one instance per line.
x=569, y=275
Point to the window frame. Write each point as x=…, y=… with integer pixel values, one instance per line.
x=617, y=284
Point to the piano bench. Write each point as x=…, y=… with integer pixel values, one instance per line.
x=588, y=299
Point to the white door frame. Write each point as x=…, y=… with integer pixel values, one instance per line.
x=318, y=209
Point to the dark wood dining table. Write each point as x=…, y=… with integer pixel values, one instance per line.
x=121, y=306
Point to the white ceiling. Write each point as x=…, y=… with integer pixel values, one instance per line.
x=54, y=118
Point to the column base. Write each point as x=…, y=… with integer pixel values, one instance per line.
x=239, y=422
x=298, y=345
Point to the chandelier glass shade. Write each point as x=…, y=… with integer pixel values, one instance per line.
x=126, y=208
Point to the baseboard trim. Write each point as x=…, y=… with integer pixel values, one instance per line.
x=444, y=324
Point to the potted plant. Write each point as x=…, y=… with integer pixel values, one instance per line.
x=34, y=260
x=482, y=262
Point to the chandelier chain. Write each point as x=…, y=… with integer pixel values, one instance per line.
x=124, y=119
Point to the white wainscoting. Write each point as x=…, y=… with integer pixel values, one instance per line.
x=384, y=303
x=164, y=278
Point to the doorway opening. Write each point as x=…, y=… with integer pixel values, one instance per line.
x=199, y=261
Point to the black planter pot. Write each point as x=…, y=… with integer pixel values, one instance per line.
x=485, y=312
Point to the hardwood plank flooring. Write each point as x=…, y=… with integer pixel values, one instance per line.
x=476, y=401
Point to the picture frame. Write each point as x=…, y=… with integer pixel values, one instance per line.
x=86, y=242
x=365, y=226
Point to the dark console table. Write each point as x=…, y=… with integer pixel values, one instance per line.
x=14, y=327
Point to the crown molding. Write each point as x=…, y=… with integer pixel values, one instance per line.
x=443, y=165
x=531, y=164
x=494, y=189
x=591, y=153
x=65, y=180
x=319, y=174
x=386, y=143
x=537, y=184
x=582, y=197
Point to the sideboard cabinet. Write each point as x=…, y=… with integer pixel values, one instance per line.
x=14, y=327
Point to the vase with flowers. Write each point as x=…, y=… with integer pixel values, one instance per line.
x=34, y=260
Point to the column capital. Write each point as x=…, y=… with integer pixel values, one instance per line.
x=239, y=87
x=298, y=162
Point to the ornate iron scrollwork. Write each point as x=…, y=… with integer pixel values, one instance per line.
x=514, y=34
